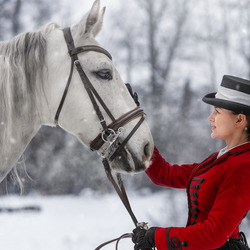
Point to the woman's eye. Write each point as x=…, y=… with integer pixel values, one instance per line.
x=104, y=74
x=217, y=111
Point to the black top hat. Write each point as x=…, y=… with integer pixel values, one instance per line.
x=233, y=94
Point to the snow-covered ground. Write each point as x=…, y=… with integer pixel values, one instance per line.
x=84, y=222
x=79, y=222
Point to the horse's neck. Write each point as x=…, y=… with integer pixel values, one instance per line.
x=14, y=146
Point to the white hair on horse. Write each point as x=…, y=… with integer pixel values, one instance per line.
x=22, y=60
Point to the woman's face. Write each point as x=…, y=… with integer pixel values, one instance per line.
x=223, y=123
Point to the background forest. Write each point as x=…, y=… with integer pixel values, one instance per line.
x=173, y=52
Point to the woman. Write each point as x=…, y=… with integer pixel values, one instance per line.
x=218, y=189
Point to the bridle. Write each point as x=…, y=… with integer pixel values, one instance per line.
x=111, y=132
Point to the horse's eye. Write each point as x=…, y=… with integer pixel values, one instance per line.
x=104, y=74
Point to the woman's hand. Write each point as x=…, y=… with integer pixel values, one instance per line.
x=144, y=239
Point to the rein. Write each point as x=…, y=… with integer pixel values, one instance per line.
x=120, y=190
x=111, y=132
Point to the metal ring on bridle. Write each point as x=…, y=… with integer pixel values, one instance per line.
x=109, y=136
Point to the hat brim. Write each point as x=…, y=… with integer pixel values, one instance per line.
x=233, y=106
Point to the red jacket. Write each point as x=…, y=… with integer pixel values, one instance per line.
x=218, y=193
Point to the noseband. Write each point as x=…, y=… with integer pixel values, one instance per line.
x=111, y=132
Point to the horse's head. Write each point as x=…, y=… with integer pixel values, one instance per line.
x=78, y=115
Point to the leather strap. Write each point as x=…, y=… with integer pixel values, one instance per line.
x=64, y=94
x=120, y=190
x=126, y=235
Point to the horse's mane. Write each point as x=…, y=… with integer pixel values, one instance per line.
x=22, y=61
x=22, y=73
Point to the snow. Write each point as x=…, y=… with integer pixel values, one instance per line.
x=81, y=222
x=84, y=222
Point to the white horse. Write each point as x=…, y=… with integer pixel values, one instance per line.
x=34, y=68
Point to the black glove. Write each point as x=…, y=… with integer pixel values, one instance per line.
x=144, y=239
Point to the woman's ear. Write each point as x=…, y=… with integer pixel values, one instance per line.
x=241, y=120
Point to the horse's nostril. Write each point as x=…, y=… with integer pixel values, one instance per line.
x=147, y=150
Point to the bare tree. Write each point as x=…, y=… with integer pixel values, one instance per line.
x=163, y=42
x=10, y=18
x=16, y=17
x=244, y=39
x=210, y=42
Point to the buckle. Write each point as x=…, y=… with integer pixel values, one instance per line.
x=109, y=136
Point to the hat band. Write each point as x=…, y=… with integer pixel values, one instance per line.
x=233, y=96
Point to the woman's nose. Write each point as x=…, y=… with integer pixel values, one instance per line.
x=211, y=117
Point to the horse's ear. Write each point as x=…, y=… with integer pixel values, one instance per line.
x=94, y=20
x=91, y=23
x=97, y=27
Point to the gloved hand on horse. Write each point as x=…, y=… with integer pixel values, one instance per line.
x=144, y=239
